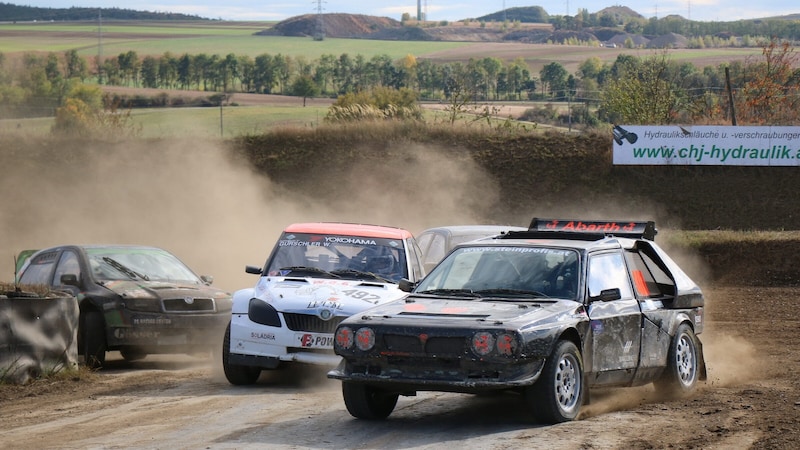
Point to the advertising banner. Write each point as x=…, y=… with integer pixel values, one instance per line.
x=706, y=145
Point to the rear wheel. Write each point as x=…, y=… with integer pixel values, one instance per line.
x=558, y=394
x=681, y=375
x=236, y=374
x=93, y=340
x=366, y=402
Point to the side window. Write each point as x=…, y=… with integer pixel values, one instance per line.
x=67, y=264
x=424, y=240
x=39, y=269
x=436, y=250
x=648, y=278
x=607, y=271
x=414, y=253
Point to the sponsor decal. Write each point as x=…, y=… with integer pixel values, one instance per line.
x=627, y=347
x=349, y=240
x=331, y=304
x=158, y=321
x=707, y=145
x=591, y=227
x=597, y=326
x=121, y=333
x=414, y=307
x=262, y=336
x=316, y=340
x=549, y=251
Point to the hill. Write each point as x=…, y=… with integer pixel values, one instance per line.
x=616, y=26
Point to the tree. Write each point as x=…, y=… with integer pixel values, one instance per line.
x=642, y=96
x=264, y=74
x=772, y=94
x=554, y=77
x=75, y=66
x=149, y=72
x=304, y=86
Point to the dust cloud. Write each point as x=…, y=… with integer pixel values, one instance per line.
x=190, y=198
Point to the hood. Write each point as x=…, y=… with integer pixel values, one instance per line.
x=162, y=290
x=341, y=297
x=456, y=312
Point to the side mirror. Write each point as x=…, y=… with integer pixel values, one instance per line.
x=207, y=279
x=405, y=285
x=608, y=295
x=69, y=279
x=252, y=269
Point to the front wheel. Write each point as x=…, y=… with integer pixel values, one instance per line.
x=236, y=374
x=366, y=402
x=681, y=375
x=132, y=355
x=93, y=342
x=558, y=393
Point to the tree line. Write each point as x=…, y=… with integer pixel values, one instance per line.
x=652, y=89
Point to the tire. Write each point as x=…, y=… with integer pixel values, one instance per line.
x=366, y=402
x=682, y=372
x=93, y=340
x=236, y=374
x=132, y=355
x=557, y=396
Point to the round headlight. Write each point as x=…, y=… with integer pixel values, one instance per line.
x=365, y=339
x=507, y=344
x=344, y=338
x=482, y=343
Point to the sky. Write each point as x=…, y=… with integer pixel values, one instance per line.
x=437, y=10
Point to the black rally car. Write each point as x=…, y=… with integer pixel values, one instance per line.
x=135, y=299
x=548, y=312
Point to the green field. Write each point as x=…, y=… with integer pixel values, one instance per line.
x=222, y=38
x=195, y=122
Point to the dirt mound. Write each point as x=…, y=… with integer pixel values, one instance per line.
x=332, y=25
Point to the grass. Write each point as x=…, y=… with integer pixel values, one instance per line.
x=697, y=238
x=195, y=122
x=236, y=121
x=222, y=38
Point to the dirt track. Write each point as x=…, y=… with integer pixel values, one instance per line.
x=751, y=400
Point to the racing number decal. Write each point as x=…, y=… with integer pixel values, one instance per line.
x=361, y=295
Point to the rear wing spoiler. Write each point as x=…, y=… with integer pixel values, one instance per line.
x=619, y=228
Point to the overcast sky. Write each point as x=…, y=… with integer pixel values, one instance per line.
x=705, y=10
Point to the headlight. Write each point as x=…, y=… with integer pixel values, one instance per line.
x=507, y=344
x=482, y=343
x=485, y=343
x=263, y=313
x=344, y=338
x=365, y=339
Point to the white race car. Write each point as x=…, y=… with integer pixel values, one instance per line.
x=317, y=275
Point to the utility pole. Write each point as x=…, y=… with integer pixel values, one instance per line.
x=319, y=33
x=100, y=46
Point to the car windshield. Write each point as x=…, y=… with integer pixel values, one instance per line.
x=147, y=264
x=350, y=257
x=505, y=272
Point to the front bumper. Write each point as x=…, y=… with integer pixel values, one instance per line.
x=429, y=375
x=259, y=345
x=165, y=333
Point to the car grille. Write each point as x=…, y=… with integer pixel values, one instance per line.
x=311, y=323
x=181, y=305
x=434, y=345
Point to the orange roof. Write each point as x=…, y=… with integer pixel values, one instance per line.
x=349, y=229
